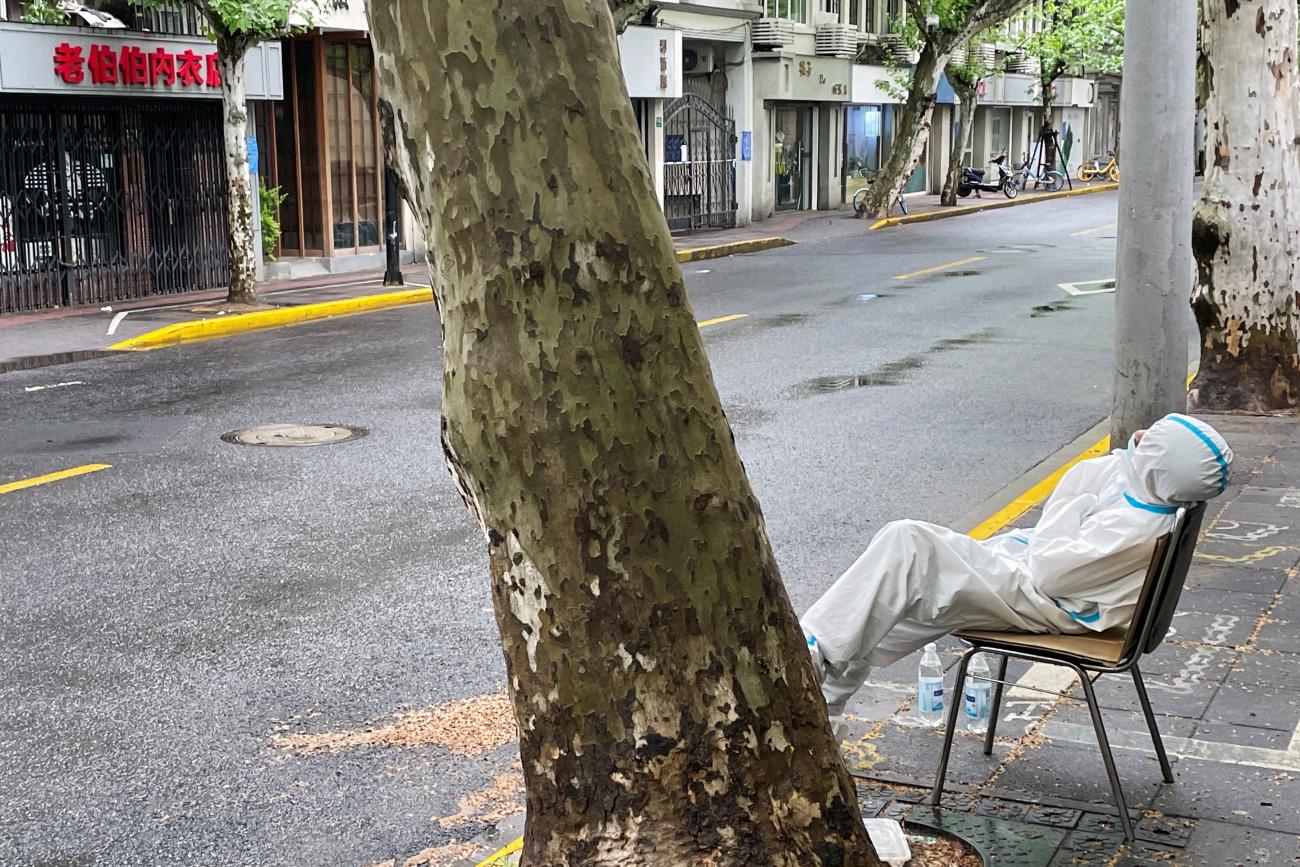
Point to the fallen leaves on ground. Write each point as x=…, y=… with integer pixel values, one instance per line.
x=502, y=797
x=468, y=727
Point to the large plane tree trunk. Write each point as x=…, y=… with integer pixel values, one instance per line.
x=1246, y=226
x=667, y=708
x=241, y=238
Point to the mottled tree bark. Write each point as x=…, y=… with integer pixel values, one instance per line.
x=667, y=707
x=1246, y=226
x=241, y=239
x=965, y=91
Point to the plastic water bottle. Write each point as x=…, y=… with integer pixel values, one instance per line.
x=929, y=687
x=978, y=689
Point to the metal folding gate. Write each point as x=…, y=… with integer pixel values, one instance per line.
x=109, y=199
x=699, y=165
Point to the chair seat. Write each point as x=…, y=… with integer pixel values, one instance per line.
x=1103, y=647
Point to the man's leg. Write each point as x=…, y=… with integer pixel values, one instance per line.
x=915, y=583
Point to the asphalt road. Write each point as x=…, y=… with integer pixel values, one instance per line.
x=164, y=618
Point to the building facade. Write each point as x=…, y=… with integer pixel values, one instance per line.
x=112, y=180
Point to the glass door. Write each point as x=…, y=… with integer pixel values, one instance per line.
x=792, y=158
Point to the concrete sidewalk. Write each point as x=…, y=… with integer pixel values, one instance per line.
x=1225, y=687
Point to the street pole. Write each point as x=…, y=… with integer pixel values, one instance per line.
x=392, y=220
x=1153, y=269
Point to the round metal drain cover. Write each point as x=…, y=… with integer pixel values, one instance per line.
x=293, y=435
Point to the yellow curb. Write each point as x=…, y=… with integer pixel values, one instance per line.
x=733, y=248
x=945, y=213
x=495, y=858
x=1036, y=494
x=223, y=326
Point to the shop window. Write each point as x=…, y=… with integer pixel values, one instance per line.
x=351, y=123
x=863, y=131
x=794, y=10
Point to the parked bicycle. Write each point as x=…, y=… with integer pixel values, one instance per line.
x=860, y=197
x=1095, y=168
x=1050, y=182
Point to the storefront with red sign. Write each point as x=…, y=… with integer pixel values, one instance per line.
x=111, y=166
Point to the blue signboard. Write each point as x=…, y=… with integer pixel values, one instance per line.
x=746, y=145
x=252, y=155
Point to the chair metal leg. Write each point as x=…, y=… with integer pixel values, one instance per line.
x=1104, y=743
x=996, y=708
x=1151, y=724
x=953, y=708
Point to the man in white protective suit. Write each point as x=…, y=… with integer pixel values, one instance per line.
x=1080, y=569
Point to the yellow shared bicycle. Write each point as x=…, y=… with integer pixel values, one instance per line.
x=1095, y=168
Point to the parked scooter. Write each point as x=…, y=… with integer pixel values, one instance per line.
x=998, y=178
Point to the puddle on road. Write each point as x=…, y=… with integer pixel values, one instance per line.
x=1047, y=309
x=892, y=373
x=984, y=335
x=32, y=362
x=895, y=372
x=780, y=320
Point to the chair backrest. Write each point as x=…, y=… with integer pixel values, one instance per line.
x=1163, y=586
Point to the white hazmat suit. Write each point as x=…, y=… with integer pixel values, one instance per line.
x=1079, y=569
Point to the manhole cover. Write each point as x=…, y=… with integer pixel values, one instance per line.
x=293, y=435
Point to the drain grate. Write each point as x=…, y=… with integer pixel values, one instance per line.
x=293, y=435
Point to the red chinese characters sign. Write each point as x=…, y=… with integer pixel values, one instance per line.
x=133, y=66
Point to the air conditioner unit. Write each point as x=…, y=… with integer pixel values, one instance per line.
x=697, y=60
x=769, y=33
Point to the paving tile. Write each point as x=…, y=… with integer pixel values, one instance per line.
x=1184, y=663
x=1000, y=809
x=1230, y=845
x=1242, y=736
x=1088, y=850
x=1055, y=817
x=913, y=753
x=1208, y=574
x=1258, y=797
x=1076, y=773
x=1267, y=668
x=1128, y=721
x=1241, y=604
x=1168, y=831
x=1170, y=696
x=1258, y=706
x=1279, y=635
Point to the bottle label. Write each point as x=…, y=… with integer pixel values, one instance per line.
x=930, y=695
x=977, y=701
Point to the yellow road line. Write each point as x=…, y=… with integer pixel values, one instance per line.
x=943, y=267
x=51, y=477
x=721, y=319
x=1093, y=229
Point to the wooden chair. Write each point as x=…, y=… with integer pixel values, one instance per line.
x=1114, y=651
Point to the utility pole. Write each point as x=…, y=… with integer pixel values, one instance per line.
x=1153, y=269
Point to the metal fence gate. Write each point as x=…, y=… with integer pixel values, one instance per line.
x=699, y=166
x=105, y=200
